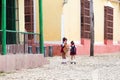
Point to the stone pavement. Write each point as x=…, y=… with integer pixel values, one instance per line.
x=100, y=67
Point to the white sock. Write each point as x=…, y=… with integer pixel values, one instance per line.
x=71, y=61
x=74, y=60
x=63, y=60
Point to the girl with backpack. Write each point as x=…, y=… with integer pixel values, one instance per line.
x=64, y=50
x=73, y=52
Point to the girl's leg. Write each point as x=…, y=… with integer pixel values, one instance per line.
x=65, y=61
x=63, y=58
x=63, y=55
x=71, y=59
x=74, y=60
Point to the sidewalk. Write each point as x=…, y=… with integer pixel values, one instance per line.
x=100, y=67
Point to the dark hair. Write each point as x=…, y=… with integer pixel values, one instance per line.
x=64, y=39
x=72, y=42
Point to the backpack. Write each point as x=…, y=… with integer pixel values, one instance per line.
x=73, y=49
x=64, y=48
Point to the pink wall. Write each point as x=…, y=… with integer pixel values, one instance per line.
x=84, y=48
x=11, y=62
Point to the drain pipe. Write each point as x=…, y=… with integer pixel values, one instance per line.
x=41, y=27
x=91, y=28
x=4, y=27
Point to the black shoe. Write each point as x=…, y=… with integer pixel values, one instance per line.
x=71, y=62
x=62, y=62
x=74, y=62
x=65, y=62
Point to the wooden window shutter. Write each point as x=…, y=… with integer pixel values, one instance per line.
x=85, y=19
x=29, y=17
x=108, y=23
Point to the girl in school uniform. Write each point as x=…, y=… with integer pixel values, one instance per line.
x=64, y=50
x=73, y=52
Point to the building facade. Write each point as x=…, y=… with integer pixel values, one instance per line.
x=62, y=18
x=75, y=25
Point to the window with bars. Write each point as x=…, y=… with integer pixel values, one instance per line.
x=29, y=23
x=108, y=23
x=85, y=19
x=0, y=13
x=0, y=21
x=12, y=20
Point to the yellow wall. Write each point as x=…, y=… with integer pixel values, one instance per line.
x=116, y=23
x=71, y=12
x=52, y=10
x=99, y=20
x=52, y=13
x=37, y=15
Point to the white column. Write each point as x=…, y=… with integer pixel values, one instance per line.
x=62, y=27
x=34, y=17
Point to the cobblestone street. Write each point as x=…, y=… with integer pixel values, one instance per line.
x=100, y=67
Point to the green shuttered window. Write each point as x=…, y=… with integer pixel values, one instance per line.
x=11, y=20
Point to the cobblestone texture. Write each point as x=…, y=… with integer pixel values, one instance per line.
x=100, y=67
